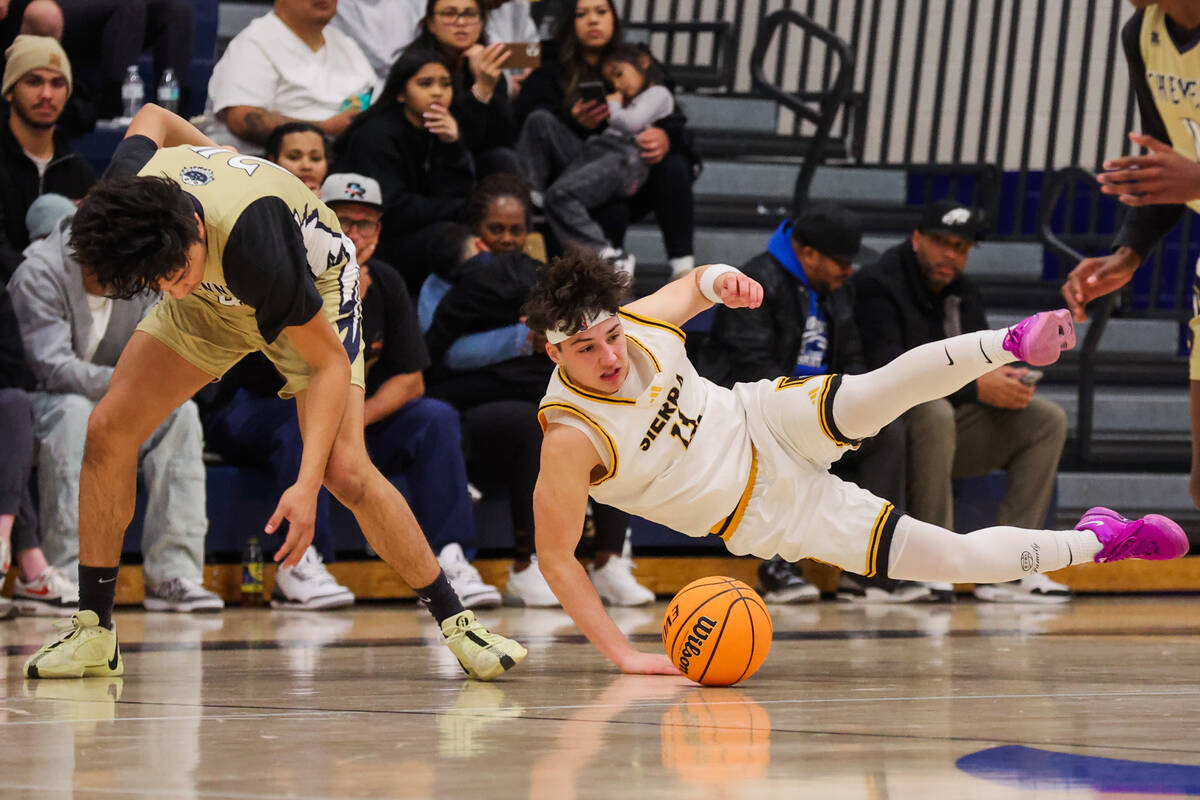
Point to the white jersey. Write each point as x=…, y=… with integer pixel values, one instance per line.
x=675, y=447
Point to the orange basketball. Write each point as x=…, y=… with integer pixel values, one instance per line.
x=717, y=631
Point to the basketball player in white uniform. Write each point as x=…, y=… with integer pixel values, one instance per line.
x=628, y=421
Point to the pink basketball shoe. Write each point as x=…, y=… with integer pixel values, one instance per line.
x=1151, y=538
x=1040, y=339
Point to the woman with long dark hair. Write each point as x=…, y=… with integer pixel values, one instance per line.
x=454, y=29
x=409, y=141
x=553, y=113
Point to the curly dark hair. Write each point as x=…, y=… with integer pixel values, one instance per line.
x=132, y=232
x=493, y=187
x=572, y=287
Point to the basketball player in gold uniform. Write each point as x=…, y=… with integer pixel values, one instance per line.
x=1162, y=46
x=248, y=259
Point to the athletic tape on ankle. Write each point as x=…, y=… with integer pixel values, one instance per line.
x=566, y=330
x=708, y=281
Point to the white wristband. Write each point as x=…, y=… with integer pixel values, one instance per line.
x=708, y=281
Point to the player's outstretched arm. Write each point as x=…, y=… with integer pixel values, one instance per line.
x=684, y=298
x=322, y=406
x=165, y=128
x=559, y=505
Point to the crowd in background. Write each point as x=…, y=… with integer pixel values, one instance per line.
x=456, y=174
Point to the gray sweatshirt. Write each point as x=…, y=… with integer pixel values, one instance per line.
x=56, y=324
x=647, y=108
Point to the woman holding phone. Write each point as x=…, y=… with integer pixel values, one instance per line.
x=562, y=103
x=454, y=29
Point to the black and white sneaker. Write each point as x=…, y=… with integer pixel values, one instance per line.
x=780, y=583
x=940, y=592
x=857, y=589
x=1036, y=589
x=308, y=586
x=180, y=595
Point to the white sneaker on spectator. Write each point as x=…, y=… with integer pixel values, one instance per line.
x=857, y=589
x=308, y=586
x=624, y=261
x=940, y=591
x=465, y=579
x=50, y=594
x=1033, y=589
x=182, y=595
x=681, y=266
x=616, y=585
x=529, y=588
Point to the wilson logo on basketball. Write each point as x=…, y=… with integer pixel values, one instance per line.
x=699, y=635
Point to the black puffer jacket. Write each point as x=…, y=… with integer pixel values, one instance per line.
x=896, y=312
x=67, y=174
x=751, y=344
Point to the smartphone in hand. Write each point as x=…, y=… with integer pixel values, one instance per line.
x=1032, y=377
x=523, y=55
x=592, y=92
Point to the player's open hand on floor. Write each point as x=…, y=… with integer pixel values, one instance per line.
x=637, y=663
x=739, y=291
x=298, y=506
x=1160, y=177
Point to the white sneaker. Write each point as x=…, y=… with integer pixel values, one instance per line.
x=624, y=261
x=465, y=579
x=616, y=585
x=1033, y=589
x=180, y=594
x=529, y=588
x=7, y=609
x=50, y=594
x=309, y=586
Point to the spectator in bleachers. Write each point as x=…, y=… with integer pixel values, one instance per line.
x=454, y=30
x=605, y=166
x=806, y=327
x=106, y=37
x=382, y=28
x=34, y=157
x=33, y=17
x=409, y=141
x=303, y=150
x=73, y=335
x=18, y=517
x=289, y=65
x=550, y=99
x=916, y=293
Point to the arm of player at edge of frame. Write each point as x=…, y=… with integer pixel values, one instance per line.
x=559, y=505
x=167, y=129
x=681, y=299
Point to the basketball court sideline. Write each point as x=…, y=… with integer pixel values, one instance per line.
x=972, y=700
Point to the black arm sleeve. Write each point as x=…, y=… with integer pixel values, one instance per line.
x=130, y=156
x=266, y=267
x=1144, y=226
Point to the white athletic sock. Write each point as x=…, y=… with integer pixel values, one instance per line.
x=925, y=552
x=865, y=403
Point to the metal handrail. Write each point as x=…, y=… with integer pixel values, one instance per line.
x=1055, y=184
x=831, y=101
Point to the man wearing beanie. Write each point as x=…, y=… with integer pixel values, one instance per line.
x=34, y=157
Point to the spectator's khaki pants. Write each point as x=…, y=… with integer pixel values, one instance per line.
x=945, y=442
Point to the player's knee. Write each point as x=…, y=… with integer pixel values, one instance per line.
x=106, y=434
x=347, y=473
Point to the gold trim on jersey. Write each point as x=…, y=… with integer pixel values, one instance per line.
x=657, y=323
x=727, y=526
x=645, y=350
x=876, y=536
x=583, y=415
x=788, y=383
x=825, y=413
x=602, y=398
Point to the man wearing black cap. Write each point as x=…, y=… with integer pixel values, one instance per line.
x=805, y=327
x=917, y=293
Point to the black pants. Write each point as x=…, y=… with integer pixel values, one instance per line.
x=504, y=444
x=104, y=37
x=16, y=443
x=879, y=465
x=668, y=193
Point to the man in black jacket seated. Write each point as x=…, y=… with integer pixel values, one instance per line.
x=34, y=157
x=806, y=326
x=917, y=293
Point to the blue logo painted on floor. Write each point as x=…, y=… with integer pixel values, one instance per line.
x=1031, y=768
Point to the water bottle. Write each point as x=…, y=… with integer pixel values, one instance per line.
x=168, y=91
x=133, y=92
x=252, y=573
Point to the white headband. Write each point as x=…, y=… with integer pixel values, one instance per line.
x=566, y=330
